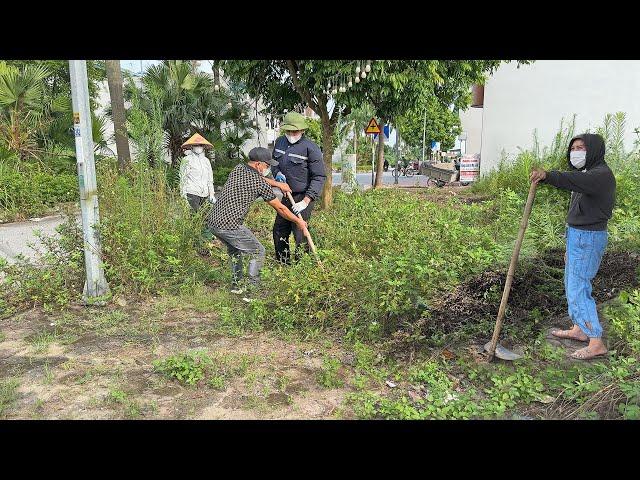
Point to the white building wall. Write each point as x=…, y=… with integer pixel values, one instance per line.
x=538, y=96
x=471, y=120
x=264, y=135
x=103, y=101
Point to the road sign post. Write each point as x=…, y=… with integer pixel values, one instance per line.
x=372, y=129
x=95, y=285
x=395, y=172
x=373, y=157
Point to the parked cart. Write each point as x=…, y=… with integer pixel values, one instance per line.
x=439, y=175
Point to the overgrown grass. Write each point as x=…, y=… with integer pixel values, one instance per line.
x=388, y=256
x=624, y=319
x=8, y=395
x=53, y=282
x=551, y=205
x=28, y=190
x=149, y=234
x=192, y=367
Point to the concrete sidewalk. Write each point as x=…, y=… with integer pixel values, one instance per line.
x=15, y=238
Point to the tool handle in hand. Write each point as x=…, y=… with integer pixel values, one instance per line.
x=512, y=268
x=308, y=235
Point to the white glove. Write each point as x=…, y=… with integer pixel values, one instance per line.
x=299, y=206
x=212, y=199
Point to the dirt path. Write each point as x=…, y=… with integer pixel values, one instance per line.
x=99, y=365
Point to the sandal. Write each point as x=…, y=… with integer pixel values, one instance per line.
x=557, y=331
x=586, y=355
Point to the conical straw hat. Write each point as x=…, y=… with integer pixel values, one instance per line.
x=197, y=139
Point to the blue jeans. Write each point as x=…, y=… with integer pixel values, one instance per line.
x=584, y=253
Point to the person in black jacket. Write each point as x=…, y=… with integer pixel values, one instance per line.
x=593, y=186
x=300, y=171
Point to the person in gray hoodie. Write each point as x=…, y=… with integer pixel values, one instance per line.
x=592, y=186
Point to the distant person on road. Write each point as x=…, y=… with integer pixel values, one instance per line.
x=592, y=186
x=386, y=165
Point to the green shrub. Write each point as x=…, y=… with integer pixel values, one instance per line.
x=548, y=216
x=328, y=376
x=220, y=174
x=149, y=234
x=8, y=394
x=191, y=367
x=624, y=319
x=29, y=190
x=386, y=254
x=53, y=283
x=187, y=368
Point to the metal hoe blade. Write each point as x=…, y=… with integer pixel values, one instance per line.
x=502, y=353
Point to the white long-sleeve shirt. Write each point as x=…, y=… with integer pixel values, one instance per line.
x=196, y=176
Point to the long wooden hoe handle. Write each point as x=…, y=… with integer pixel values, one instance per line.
x=512, y=268
x=307, y=235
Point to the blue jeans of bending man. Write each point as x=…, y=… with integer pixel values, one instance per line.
x=241, y=241
x=585, y=249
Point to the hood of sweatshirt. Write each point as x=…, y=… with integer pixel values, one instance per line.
x=595, y=150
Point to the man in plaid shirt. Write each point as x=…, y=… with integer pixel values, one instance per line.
x=225, y=220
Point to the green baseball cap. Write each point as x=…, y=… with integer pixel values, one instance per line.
x=294, y=121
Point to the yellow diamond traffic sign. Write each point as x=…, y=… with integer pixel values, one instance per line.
x=372, y=127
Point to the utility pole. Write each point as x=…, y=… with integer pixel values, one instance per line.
x=95, y=285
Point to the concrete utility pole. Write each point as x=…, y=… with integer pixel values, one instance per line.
x=96, y=285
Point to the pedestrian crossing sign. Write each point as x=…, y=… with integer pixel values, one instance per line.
x=372, y=127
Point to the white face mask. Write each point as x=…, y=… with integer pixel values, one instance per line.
x=198, y=149
x=578, y=158
x=293, y=138
x=266, y=172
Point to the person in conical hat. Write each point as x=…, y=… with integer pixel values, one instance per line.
x=195, y=140
x=196, y=175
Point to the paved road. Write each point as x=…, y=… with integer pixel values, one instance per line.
x=16, y=237
x=364, y=179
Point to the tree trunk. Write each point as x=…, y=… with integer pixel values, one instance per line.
x=355, y=143
x=327, y=154
x=216, y=73
x=175, y=150
x=380, y=160
x=114, y=80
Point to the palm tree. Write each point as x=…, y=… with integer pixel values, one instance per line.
x=190, y=104
x=22, y=109
x=179, y=86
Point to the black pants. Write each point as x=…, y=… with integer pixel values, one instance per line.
x=195, y=201
x=282, y=230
